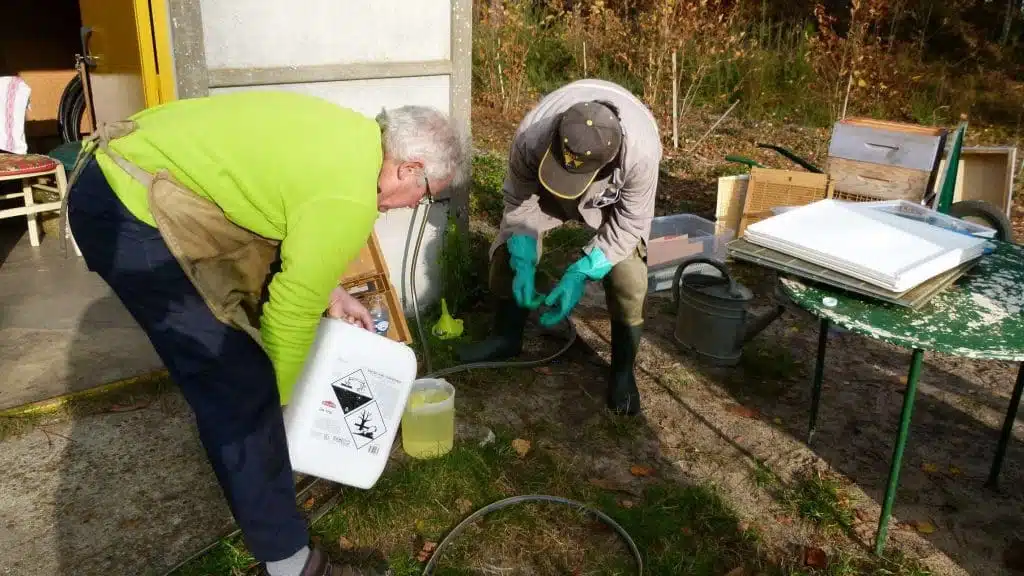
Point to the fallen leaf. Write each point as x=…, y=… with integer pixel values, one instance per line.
x=464, y=506
x=903, y=380
x=641, y=471
x=784, y=520
x=778, y=421
x=925, y=527
x=522, y=447
x=687, y=531
x=953, y=470
x=543, y=370
x=345, y=543
x=861, y=514
x=427, y=551
x=627, y=503
x=929, y=468
x=741, y=411
x=906, y=526
x=815, y=558
x=743, y=526
x=308, y=504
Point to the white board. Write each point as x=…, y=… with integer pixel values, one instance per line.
x=881, y=248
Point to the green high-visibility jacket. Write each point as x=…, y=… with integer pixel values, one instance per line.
x=286, y=166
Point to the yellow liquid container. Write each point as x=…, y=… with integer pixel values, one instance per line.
x=428, y=424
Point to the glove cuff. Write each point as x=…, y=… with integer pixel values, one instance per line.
x=522, y=247
x=594, y=265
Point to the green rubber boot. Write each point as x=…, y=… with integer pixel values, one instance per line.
x=623, y=396
x=506, y=339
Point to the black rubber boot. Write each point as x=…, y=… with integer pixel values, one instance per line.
x=623, y=396
x=506, y=339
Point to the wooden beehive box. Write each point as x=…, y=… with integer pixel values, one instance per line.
x=878, y=160
x=368, y=276
x=768, y=188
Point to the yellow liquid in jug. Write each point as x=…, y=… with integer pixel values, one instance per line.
x=428, y=433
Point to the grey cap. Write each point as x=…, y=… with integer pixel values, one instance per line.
x=587, y=138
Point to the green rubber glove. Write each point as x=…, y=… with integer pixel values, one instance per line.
x=522, y=251
x=567, y=294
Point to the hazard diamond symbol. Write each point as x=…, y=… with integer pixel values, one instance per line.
x=352, y=391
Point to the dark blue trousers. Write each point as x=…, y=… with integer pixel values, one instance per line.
x=227, y=379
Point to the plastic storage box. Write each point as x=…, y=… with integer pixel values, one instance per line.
x=678, y=238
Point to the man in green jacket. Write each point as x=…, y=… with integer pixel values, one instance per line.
x=309, y=177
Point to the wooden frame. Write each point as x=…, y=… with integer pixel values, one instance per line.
x=367, y=276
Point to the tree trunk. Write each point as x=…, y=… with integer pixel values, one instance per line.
x=1007, y=22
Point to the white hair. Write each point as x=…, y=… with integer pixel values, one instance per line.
x=424, y=134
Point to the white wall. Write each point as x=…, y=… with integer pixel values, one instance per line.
x=268, y=33
x=258, y=33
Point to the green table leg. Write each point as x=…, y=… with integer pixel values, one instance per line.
x=1004, y=438
x=897, y=451
x=819, y=374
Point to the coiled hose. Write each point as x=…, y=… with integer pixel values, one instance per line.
x=428, y=570
x=70, y=110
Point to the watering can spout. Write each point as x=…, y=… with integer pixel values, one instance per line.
x=761, y=322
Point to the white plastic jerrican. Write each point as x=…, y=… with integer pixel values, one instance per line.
x=347, y=404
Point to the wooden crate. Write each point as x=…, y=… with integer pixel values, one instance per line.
x=732, y=193
x=985, y=173
x=770, y=188
x=368, y=276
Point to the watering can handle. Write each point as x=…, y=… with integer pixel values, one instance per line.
x=677, y=280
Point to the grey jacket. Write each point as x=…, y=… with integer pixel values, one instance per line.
x=620, y=206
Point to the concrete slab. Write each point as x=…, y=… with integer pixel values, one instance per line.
x=61, y=328
x=115, y=493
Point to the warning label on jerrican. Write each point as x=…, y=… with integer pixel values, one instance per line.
x=352, y=391
x=366, y=424
x=362, y=413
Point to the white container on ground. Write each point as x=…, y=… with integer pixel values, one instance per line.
x=678, y=238
x=428, y=425
x=347, y=404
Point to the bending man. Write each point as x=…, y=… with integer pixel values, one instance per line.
x=182, y=211
x=588, y=151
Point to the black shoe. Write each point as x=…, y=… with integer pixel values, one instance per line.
x=623, y=396
x=506, y=339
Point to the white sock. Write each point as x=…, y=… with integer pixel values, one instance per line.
x=290, y=566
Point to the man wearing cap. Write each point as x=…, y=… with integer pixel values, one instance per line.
x=590, y=152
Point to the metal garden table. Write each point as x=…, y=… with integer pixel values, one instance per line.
x=980, y=317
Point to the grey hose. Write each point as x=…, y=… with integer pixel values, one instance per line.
x=570, y=339
x=412, y=278
x=500, y=504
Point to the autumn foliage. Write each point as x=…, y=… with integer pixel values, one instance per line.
x=928, y=61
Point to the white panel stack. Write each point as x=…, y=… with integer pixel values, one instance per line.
x=883, y=249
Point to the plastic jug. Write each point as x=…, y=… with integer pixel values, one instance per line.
x=347, y=404
x=428, y=425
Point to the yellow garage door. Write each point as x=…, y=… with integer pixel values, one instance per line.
x=128, y=41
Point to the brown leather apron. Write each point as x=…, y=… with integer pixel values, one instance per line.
x=227, y=264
